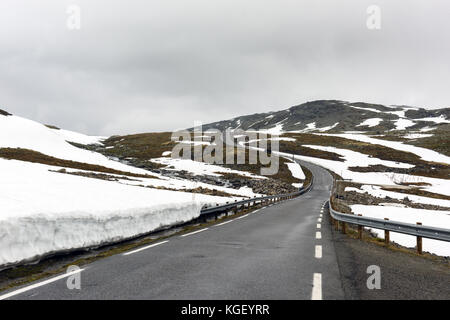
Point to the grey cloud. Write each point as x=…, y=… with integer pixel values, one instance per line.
x=159, y=65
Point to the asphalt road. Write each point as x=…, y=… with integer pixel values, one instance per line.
x=268, y=254
x=279, y=252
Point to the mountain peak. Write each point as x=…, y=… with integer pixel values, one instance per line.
x=338, y=116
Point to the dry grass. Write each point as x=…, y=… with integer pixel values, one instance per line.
x=140, y=146
x=37, y=157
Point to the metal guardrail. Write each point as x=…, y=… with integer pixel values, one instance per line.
x=416, y=230
x=215, y=211
x=395, y=226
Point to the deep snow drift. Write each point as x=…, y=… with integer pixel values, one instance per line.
x=45, y=211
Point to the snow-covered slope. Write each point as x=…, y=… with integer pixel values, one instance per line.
x=44, y=211
x=17, y=132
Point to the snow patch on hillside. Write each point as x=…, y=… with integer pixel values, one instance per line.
x=437, y=120
x=402, y=124
x=425, y=154
x=353, y=158
x=373, y=122
x=296, y=170
x=17, y=132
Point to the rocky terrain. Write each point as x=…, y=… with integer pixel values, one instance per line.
x=336, y=116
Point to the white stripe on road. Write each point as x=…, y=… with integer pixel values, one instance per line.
x=188, y=234
x=317, y=287
x=318, y=226
x=145, y=248
x=221, y=224
x=242, y=216
x=40, y=284
x=320, y=215
x=318, y=253
x=319, y=220
x=318, y=235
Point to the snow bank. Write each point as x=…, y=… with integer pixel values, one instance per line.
x=353, y=158
x=425, y=154
x=43, y=212
x=373, y=122
x=296, y=170
x=440, y=219
x=323, y=129
x=402, y=124
x=437, y=120
x=417, y=135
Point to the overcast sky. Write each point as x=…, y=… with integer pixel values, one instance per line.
x=151, y=65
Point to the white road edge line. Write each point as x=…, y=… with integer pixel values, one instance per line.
x=318, y=253
x=37, y=285
x=188, y=234
x=318, y=235
x=241, y=217
x=317, y=287
x=221, y=224
x=145, y=248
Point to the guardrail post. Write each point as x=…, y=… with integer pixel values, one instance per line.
x=360, y=229
x=419, y=241
x=386, y=235
x=344, y=227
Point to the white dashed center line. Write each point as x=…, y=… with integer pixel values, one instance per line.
x=318, y=254
x=318, y=235
x=319, y=226
x=317, y=287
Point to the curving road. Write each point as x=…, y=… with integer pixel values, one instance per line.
x=279, y=252
x=268, y=254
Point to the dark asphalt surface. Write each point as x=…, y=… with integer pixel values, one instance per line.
x=268, y=254
x=403, y=276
